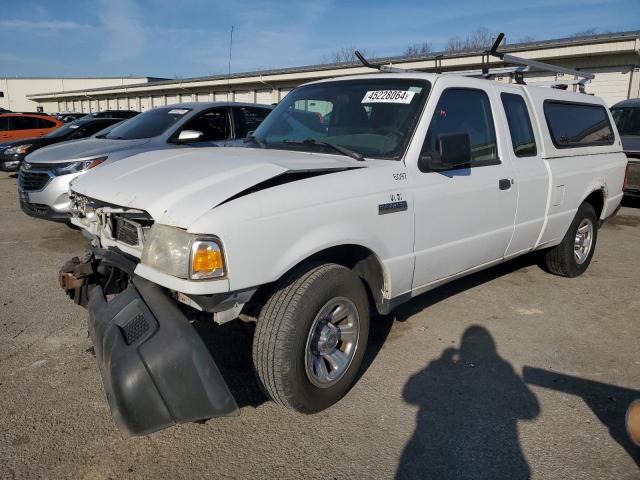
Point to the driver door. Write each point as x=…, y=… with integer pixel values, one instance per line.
x=464, y=218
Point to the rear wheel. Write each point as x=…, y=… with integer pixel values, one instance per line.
x=311, y=337
x=573, y=255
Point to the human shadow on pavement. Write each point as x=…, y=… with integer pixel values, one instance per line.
x=608, y=402
x=470, y=401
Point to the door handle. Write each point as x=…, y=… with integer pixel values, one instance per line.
x=505, y=183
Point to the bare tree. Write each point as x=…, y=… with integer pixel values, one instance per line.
x=345, y=54
x=526, y=39
x=586, y=32
x=480, y=38
x=417, y=49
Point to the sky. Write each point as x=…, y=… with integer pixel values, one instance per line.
x=189, y=38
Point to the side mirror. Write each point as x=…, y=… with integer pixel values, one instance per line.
x=187, y=136
x=454, y=151
x=250, y=134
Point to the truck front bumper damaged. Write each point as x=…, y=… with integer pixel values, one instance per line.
x=155, y=368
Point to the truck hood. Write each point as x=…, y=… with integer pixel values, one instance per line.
x=176, y=186
x=79, y=149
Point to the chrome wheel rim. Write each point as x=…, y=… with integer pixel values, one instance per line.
x=332, y=342
x=583, y=241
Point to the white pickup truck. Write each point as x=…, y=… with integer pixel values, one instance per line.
x=356, y=194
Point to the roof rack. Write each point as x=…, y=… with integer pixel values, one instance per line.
x=381, y=67
x=583, y=77
x=523, y=65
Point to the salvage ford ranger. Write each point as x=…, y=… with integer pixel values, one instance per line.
x=355, y=195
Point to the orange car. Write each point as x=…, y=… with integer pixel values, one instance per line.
x=14, y=126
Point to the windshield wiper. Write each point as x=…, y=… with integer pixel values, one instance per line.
x=254, y=139
x=337, y=148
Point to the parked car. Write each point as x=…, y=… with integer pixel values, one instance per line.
x=627, y=117
x=112, y=114
x=14, y=126
x=14, y=152
x=70, y=117
x=416, y=180
x=43, y=181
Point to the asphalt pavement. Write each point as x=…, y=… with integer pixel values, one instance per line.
x=509, y=373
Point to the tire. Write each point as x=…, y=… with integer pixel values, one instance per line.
x=562, y=259
x=286, y=353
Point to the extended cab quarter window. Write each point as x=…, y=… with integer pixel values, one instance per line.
x=522, y=138
x=575, y=125
x=463, y=110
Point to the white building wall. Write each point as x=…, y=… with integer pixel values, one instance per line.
x=15, y=90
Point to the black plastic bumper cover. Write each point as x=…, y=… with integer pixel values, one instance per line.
x=155, y=368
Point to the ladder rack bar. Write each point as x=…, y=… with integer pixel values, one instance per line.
x=548, y=67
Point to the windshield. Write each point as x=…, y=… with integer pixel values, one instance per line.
x=627, y=120
x=63, y=131
x=148, y=124
x=374, y=118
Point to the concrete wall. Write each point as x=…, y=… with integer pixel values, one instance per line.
x=15, y=90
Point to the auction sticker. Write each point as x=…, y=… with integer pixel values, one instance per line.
x=388, y=96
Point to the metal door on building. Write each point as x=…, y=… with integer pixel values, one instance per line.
x=264, y=96
x=610, y=83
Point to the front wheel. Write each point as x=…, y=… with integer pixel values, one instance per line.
x=311, y=337
x=572, y=256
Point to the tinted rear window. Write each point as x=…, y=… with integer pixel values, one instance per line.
x=627, y=120
x=24, y=123
x=43, y=123
x=149, y=124
x=575, y=125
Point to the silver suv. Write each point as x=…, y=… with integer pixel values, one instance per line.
x=43, y=181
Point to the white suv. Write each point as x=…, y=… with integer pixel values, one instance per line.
x=359, y=194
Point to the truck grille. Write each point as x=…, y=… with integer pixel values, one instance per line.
x=32, y=181
x=127, y=232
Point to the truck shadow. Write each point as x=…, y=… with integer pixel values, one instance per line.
x=230, y=344
x=418, y=304
x=631, y=202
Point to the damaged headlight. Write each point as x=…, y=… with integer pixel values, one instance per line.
x=182, y=254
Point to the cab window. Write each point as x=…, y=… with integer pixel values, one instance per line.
x=214, y=125
x=4, y=124
x=522, y=138
x=465, y=110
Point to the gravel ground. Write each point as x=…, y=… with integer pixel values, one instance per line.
x=509, y=373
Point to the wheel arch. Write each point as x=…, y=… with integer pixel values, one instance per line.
x=362, y=260
x=596, y=198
